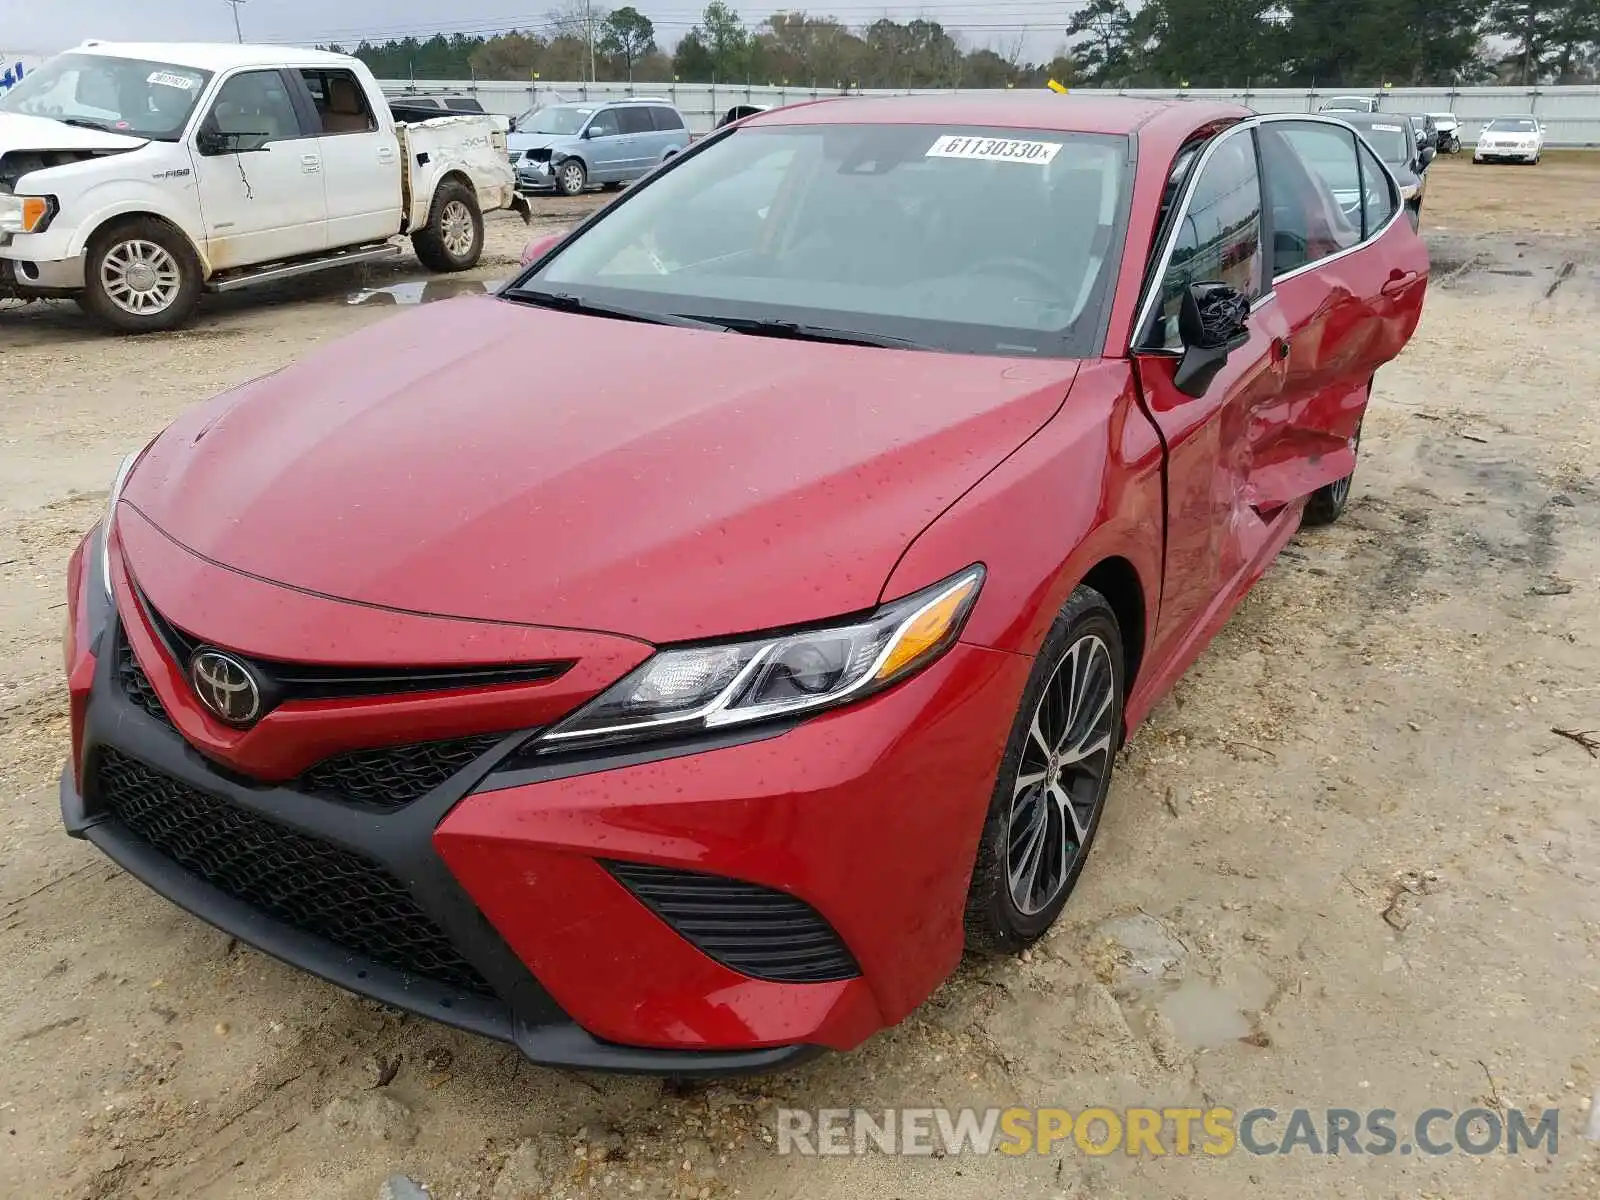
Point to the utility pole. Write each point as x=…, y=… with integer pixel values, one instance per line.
x=234, y=4
x=588, y=32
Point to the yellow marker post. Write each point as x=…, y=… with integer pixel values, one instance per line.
x=1056, y=87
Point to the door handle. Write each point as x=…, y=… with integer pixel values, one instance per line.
x=1398, y=281
x=310, y=164
x=385, y=153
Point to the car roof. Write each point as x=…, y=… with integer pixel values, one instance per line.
x=215, y=56
x=1377, y=118
x=1074, y=113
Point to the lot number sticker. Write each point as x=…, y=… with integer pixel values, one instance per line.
x=168, y=79
x=994, y=149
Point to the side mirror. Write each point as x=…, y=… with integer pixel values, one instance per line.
x=211, y=142
x=588, y=133
x=1427, y=156
x=1211, y=323
x=538, y=247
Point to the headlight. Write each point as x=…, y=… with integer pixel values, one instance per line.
x=111, y=511
x=700, y=688
x=25, y=214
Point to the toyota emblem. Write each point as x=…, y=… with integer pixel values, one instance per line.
x=225, y=686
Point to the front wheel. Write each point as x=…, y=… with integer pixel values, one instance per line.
x=1053, y=780
x=452, y=240
x=572, y=177
x=141, y=276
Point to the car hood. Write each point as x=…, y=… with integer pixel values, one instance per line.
x=19, y=131
x=487, y=460
x=539, y=141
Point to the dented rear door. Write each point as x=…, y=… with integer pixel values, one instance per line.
x=1349, y=277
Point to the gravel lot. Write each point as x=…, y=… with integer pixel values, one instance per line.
x=1348, y=862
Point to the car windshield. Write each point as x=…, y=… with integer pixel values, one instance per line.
x=557, y=119
x=127, y=95
x=974, y=240
x=1392, y=142
x=1511, y=125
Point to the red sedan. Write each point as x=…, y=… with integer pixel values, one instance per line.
x=672, y=662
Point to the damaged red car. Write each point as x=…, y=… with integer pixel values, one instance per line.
x=673, y=661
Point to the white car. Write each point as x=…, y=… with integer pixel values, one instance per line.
x=1510, y=139
x=132, y=177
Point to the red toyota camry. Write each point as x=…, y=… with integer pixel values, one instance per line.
x=672, y=662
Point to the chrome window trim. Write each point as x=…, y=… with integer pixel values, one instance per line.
x=1146, y=308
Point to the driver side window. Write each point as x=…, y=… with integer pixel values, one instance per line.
x=253, y=109
x=1219, y=232
x=604, y=123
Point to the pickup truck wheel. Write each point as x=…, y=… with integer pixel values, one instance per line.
x=1053, y=780
x=141, y=276
x=572, y=177
x=452, y=240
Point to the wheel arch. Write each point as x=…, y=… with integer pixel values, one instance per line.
x=95, y=227
x=1118, y=581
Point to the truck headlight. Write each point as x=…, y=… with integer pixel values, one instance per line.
x=26, y=214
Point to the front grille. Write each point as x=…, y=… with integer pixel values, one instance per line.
x=754, y=930
x=394, y=776
x=388, y=778
x=136, y=684
x=305, y=883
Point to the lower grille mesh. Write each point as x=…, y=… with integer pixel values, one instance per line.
x=305, y=883
x=394, y=776
x=754, y=930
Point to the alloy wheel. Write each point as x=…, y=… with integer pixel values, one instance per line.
x=140, y=277
x=1061, y=776
x=571, y=178
x=455, y=227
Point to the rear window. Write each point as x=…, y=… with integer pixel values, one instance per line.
x=665, y=118
x=967, y=239
x=633, y=120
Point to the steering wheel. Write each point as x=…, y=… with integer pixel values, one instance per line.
x=1019, y=268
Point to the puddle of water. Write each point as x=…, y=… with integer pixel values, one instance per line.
x=1203, y=1015
x=425, y=291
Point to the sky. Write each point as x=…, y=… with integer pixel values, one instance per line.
x=46, y=27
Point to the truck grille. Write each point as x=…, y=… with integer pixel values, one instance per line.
x=754, y=930
x=305, y=883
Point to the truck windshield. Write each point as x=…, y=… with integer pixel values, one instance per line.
x=967, y=239
x=125, y=95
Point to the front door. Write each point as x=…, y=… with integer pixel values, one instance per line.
x=603, y=147
x=259, y=172
x=360, y=160
x=1213, y=528
x=639, y=138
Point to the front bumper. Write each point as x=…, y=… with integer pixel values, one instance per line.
x=535, y=176
x=1504, y=154
x=21, y=275
x=869, y=814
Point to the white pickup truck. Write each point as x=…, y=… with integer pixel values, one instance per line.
x=133, y=177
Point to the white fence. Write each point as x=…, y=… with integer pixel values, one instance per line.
x=1571, y=115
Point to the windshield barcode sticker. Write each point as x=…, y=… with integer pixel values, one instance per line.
x=994, y=149
x=168, y=79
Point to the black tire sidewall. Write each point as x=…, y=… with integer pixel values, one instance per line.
x=429, y=243
x=994, y=922
x=97, y=304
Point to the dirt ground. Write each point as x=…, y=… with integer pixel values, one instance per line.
x=1346, y=863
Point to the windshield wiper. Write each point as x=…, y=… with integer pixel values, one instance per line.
x=567, y=302
x=85, y=123
x=801, y=332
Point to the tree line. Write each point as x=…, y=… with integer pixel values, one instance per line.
x=1105, y=43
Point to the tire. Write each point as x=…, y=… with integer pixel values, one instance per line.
x=1008, y=907
x=452, y=240
x=1327, y=503
x=572, y=177
x=140, y=276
